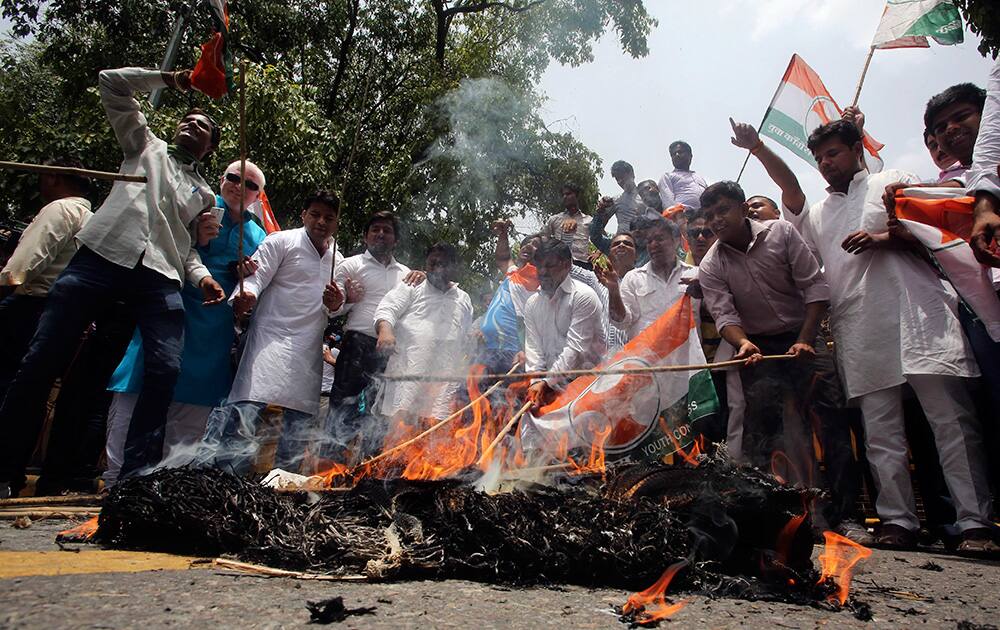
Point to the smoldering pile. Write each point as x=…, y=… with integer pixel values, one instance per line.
x=721, y=519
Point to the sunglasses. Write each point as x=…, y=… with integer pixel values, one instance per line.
x=705, y=233
x=234, y=178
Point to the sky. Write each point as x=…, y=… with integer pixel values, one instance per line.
x=711, y=60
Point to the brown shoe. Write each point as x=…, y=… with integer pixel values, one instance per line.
x=978, y=543
x=896, y=537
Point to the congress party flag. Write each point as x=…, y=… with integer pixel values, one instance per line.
x=941, y=219
x=908, y=24
x=645, y=416
x=213, y=74
x=800, y=105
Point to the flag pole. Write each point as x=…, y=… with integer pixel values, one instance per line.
x=864, y=73
x=243, y=164
x=774, y=96
x=347, y=170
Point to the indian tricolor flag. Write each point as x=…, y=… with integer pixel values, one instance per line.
x=800, y=105
x=908, y=24
x=636, y=416
x=262, y=210
x=213, y=74
x=941, y=219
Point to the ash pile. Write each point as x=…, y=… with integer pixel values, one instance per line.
x=737, y=531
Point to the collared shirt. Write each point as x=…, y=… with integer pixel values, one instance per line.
x=890, y=312
x=765, y=289
x=152, y=221
x=376, y=279
x=564, y=331
x=684, y=187
x=983, y=174
x=579, y=239
x=46, y=246
x=431, y=327
x=626, y=207
x=647, y=295
x=283, y=361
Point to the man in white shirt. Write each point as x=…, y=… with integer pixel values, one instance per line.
x=423, y=329
x=364, y=279
x=563, y=323
x=894, y=323
x=681, y=185
x=645, y=293
x=282, y=364
x=140, y=248
x=44, y=250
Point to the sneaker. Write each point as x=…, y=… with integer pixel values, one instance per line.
x=6, y=491
x=978, y=543
x=855, y=532
x=896, y=537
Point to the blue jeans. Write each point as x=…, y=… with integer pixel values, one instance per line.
x=84, y=292
x=231, y=443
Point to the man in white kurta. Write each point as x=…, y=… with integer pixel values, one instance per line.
x=563, y=323
x=648, y=292
x=895, y=322
x=282, y=364
x=426, y=327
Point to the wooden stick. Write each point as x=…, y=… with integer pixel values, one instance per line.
x=506, y=428
x=767, y=111
x=864, y=73
x=77, y=499
x=576, y=373
x=437, y=426
x=347, y=169
x=38, y=513
x=243, y=164
x=61, y=508
x=266, y=571
x=69, y=170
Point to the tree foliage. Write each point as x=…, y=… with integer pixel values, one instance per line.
x=318, y=73
x=983, y=17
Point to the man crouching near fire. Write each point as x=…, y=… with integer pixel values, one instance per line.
x=563, y=323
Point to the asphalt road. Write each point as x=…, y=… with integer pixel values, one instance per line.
x=900, y=592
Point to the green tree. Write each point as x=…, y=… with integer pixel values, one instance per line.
x=983, y=17
x=320, y=72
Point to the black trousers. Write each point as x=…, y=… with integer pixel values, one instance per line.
x=813, y=388
x=18, y=320
x=350, y=422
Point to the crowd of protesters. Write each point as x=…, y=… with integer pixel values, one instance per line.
x=135, y=308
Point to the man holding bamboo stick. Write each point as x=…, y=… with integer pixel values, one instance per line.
x=140, y=248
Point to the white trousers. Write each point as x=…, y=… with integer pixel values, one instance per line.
x=185, y=427
x=949, y=410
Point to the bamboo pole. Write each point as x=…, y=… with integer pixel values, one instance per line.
x=593, y=372
x=764, y=118
x=864, y=73
x=243, y=164
x=347, y=170
x=265, y=571
x=437, y=426
x=69, y=170
x=78, y=500
x=40, y=513
x=506, y=428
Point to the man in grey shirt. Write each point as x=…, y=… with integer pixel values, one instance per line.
x=139, y=248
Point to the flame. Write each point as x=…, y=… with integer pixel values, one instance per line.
x=650, y=605
x=839, y=556
x=786, y=535
x=80, y=533
x=691, y=456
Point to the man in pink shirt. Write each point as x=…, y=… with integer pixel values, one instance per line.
x=768, y=295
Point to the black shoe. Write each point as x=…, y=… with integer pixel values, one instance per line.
x=978, y=543
x=6, y=491
x=896, y=537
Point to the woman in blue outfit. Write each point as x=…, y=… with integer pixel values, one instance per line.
x=206, y=370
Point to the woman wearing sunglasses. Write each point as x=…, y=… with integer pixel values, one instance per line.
x=206, y=371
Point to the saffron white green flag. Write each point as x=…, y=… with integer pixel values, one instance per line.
x=908, y=24
x=801, y=104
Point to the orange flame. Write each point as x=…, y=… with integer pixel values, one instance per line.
x=651, y=604
x=786, y=535
x=839, y=556
x=80, y=533
x=691, y=456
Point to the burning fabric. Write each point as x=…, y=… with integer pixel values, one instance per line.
x=721, y=519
